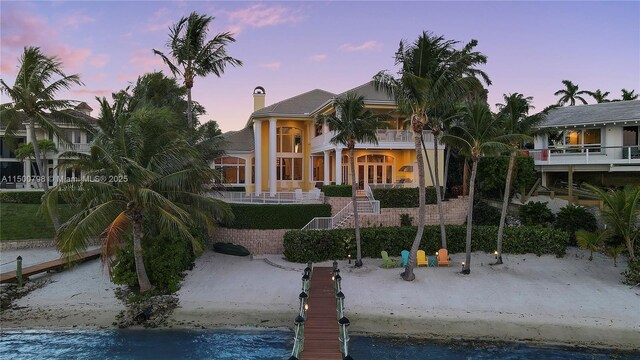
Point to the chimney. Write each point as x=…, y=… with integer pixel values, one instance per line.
x=258, y=98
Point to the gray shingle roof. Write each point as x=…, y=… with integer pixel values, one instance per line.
x=241, y=140
x=593, y=114
x=302, y=104
x=370, y=93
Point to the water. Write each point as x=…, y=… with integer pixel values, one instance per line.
x=257, y=344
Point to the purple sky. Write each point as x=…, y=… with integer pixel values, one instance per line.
x=293, y=47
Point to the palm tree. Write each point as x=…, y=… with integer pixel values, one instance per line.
x=25, y=151
x=141, y=172
x=433, y=73
x=477, y=134
x=629, y=95
x=193, y=55
x=514, y=116
x=591, y=241
x=613, y=252
x=622, y=212
x=570, y=94
x=33, y=99
x=598, y=96
x=353, y=123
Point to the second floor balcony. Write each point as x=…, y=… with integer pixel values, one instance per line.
x=401, y=139
x=588, y=154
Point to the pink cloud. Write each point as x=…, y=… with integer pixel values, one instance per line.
x=160, y=20
x=146, y=61
x=92, y=92
x=365, y=46
x=261, y=15
x=75, y=19
x=99, y=60
x=317, y=58
x=271, y=66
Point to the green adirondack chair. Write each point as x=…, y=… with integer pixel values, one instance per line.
x=387, y=262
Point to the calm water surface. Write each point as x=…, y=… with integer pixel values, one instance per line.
x=255, y=344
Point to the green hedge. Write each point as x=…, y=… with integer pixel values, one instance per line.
x=337, y=190
x=265, y=216
x=403, y=197
x=21, y=197
x=321, y=245
x=492, y=174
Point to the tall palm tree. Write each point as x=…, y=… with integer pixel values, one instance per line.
x=353, y=123
x=478, y=133
x=570, y=94
x=141, y=172
x=629, y=95
x=433, y=73
x=193, y=55
x=599, y=96
x=622, y=212
x=33, y=99
x=25, y=151
x=515, y=119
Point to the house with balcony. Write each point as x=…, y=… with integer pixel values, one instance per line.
x=16, y=173
x=283, y=150
x=597, y=143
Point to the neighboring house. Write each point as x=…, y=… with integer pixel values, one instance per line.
x=17, y=174
x=598, y=144
x=282, y=149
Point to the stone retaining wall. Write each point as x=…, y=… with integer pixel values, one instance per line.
x=258, y=242
x=33, y=244
x=337, y=203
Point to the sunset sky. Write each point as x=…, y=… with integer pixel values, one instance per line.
x=292, y=47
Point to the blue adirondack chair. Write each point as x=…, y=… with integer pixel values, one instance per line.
x=405, y=257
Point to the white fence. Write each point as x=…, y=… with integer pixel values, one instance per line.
x=297, y=197
x=570, y=155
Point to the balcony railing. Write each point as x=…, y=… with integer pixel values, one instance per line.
x=384, y=136
x=588, y=154
x=298, y=197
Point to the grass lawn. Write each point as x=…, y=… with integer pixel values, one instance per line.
x=22, y=221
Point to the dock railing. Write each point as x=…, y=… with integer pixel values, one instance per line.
x=298, y=340
x=343, y=321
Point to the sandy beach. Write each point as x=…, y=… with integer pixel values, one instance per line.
x=537, y=299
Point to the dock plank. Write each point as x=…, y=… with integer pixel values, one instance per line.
x=10, y=276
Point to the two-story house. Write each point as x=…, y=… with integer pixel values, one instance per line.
x=283, y=149
x=597, y=143
x=17, y=174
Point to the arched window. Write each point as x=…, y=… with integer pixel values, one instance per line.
x=232, y=169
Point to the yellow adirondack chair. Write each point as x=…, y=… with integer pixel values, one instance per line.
x=422, y=258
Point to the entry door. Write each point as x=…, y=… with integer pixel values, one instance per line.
x=361, y=177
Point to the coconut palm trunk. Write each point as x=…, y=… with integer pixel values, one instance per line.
x=354, y=201
x=446, y=171
x=472, y=183
x=188, y=83
x=408, y=274
x=38, y=155
x=443, y=234
x=505, y=205
x=141, y=272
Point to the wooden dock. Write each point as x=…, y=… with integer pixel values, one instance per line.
x=321, y=327
x=52, y=265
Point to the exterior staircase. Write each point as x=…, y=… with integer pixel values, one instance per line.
x=366, y=205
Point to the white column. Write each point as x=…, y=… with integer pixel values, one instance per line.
x=338, y=166
x=272, y=157
x=257, y=134
x=310, y=169
x=327, y=180
x=247, y=172
x=325, y=132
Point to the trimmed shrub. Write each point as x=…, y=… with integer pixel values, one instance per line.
x=406, y=220
x=281, y=216
x=315, y=245
x=632, y=274
x=572, y=218
x=235, y=188
x=337, y=190
x=536, y=213
x=21, y=197
x=165, y=259
x=403, y=197
x=485, y=214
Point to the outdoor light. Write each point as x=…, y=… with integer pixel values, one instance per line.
x=306, y=307
x=463, y=264
x=299, y=319
x=307, y=269
x=496, y=254
x=340, y=295
x=344, y=321
x=338, y=277
x=349, y=256
x=333, y=278
x=305, y=277
x=436, y=253
x=303, y=295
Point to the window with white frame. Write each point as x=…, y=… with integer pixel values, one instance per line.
x=232, y=169
x=289, y=168
x=289, y=140
x=576, y=141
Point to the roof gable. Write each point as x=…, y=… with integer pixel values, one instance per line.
x=368, y=90
x=241, y=140
x=610, y=112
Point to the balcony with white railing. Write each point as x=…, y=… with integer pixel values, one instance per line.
x=586, y=155
x=402, y=139
x=297, y=197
